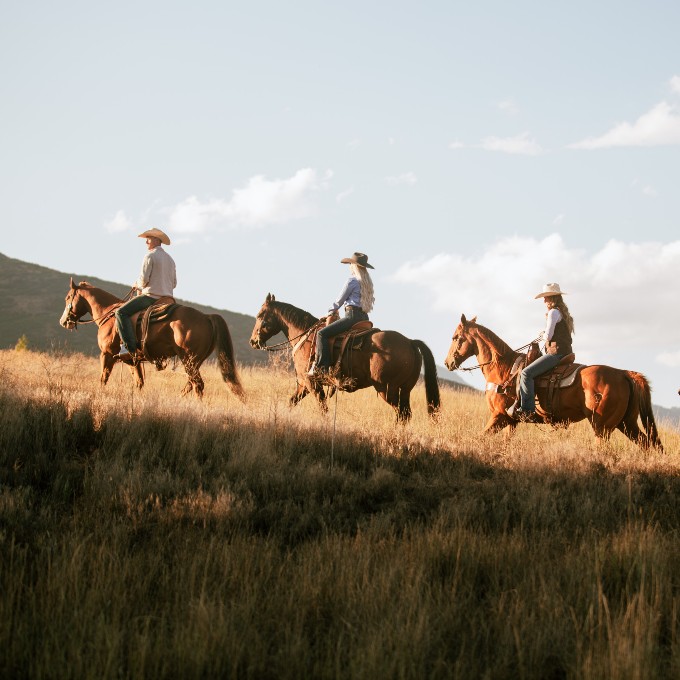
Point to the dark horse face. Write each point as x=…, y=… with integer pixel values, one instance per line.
x=267, y=324
x=463, y=345
x=74, y=308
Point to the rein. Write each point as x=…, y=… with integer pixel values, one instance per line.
x=494, y=360
x=280, y=346
x=107, y=315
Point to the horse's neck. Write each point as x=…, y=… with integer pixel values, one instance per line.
x=99, y=300
x=494, y=356
x=293, y=325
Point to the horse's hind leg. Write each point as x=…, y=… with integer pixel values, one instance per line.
x=404, y=405
x=195, y=381
x=392, y=395
x=300, y=393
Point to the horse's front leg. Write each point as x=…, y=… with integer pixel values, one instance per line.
x=138, y=374
x=300, y=393
x=498, y=422
x=107, y=363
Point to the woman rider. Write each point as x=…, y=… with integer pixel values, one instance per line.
x=559, y=328
x=357, y=297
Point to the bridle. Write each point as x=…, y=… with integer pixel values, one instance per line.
x=280, y=346
x=493, y=360
x=75, y=320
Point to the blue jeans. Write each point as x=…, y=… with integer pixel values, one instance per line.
x=323, y=352
x=124, y=323
x=532, y=371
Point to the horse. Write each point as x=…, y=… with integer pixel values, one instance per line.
x=610, y=398
x=386, y=360
x=186, y=333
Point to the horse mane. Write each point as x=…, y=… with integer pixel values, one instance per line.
x=294, y=315
x=499, y=345
x=85, y=284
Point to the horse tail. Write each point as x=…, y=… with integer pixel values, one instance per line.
x=643, y=394
x=225, y=354
x=431, y=384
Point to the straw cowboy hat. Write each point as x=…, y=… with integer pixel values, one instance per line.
x=550, y=289
x=156, y=233
x=358, y=258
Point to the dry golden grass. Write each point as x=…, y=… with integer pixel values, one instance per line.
x=143, y=534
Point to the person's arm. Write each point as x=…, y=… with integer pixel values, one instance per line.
x=552, y=317
x=344, y=295
x=145, y=274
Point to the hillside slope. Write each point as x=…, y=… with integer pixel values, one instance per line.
x=32, y=301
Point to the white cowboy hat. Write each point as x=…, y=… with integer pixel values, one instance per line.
x=550, y=289
x=156, y=233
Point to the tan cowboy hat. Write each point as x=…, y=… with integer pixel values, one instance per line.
x=358, y=258
x=550, y=289
x=156, y=233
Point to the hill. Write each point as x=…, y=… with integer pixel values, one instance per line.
x=32, y=300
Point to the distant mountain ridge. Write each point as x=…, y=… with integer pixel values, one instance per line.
x=32, y=302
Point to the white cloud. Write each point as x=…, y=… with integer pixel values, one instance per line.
x=658, y=127
x=120, y=222
x=456, y=145
x=671, y=359
x=622, y=296
x=344, y=194
x=508, y=106
x=520, y=144
x=404, y=178
x=675, y=84
x=259, y=203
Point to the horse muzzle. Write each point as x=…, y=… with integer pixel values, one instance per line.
x=452, y=364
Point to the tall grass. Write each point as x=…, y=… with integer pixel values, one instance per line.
x=146, y=535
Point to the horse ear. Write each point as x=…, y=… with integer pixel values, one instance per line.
x=73, y=285
x=473, y=319
x=463, y=320
x=269, y=297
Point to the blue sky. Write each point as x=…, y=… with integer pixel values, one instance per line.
x=475, y=151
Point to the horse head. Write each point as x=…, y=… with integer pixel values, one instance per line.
x=75, y=307
x=267, y=324
x=463, y=344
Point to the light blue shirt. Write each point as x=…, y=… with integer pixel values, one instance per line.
x=350, y=295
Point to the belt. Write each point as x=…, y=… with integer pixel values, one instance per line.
x=350, y=308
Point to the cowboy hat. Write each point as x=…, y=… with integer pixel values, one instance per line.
x=357, y=258
x=550, y=289
x=156, y=233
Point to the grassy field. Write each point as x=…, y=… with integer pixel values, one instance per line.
x=143, y=535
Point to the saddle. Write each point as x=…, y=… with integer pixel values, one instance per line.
x=547, y=386
x=161, y=310
x=343, y=343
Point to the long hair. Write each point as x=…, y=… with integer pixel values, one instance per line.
x=367, y=297
x=559, y=303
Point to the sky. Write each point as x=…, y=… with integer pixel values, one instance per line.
x=474, y=151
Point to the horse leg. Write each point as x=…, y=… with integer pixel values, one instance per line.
x=498, y=422
x=107, y=363
x=195, y=381
x=138, y=375
x=404, y=406
x=300, y=393
x=391, y=396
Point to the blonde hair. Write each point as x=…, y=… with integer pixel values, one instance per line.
x=367, y=297
x=559, y=303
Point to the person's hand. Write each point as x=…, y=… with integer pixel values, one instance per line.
x=331, y=318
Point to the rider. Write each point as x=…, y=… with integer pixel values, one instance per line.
x=157, y=279
x=559, y=328
x=357, y=296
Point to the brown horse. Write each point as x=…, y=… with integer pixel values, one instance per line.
x=187, y=334
x=387, y=360
x=610, y=398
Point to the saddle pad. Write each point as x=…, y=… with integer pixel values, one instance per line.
x=565, y=374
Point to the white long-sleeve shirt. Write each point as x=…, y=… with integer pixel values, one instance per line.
x=552, y=318
x=158, y=276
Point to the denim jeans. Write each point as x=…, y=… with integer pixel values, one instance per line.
x=124, y=323
x=323, y=352
x=532, y=371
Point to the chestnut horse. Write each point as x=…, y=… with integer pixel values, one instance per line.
x=387, y=360
x=187, y=334
x=610, y=398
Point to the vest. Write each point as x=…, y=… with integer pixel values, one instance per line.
x=562, y=337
